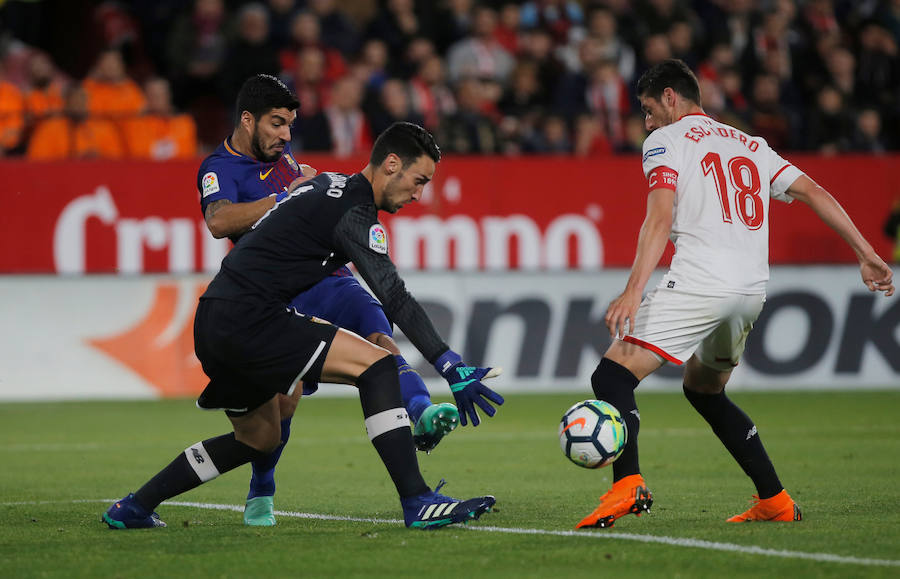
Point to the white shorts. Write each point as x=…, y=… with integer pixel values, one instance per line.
x=675, y=324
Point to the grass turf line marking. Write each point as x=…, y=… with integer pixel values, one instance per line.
x=660, y=539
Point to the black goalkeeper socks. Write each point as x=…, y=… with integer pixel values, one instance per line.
x=387, y=423
x=738, y=433
x=615, y=384
x=197, y=464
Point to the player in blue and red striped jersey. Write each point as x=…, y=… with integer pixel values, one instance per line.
x=238, y=183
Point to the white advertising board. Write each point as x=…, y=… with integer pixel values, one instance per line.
x=131, y=337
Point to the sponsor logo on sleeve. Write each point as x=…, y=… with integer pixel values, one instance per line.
x=653, y=152
x=209, y=184
x=378, y=239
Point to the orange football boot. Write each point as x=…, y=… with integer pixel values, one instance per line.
x=778, y=508
x=628, y=495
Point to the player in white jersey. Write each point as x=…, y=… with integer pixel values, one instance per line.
x=709, y=191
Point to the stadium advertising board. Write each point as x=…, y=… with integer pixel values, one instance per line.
x=486, y=214
x=131, y=336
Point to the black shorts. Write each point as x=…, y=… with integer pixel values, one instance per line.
x=252, y=351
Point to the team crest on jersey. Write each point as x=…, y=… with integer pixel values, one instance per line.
x=290, y=161
x=378, y=238
x=209, y=184
x=654, y=152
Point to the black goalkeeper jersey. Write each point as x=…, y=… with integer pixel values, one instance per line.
x=326, y=223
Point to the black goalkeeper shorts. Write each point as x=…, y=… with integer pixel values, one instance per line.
x=253, y=351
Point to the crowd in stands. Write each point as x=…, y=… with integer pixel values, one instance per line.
x=486, y=77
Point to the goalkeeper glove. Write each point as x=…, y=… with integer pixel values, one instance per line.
x=465, y=383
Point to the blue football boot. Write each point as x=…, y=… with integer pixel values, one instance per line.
x=128, y=514
x=432, y=510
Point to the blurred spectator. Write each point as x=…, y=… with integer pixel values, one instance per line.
x=491, y=92
x=772, y=41
x=657, y=16
x=634, y=134
x=305, y=32
x=819, y=18
x=12, y=115
x=396, y=25
x=507, y=31
x=889, y=13
x=480, y=55
x=878, y=70
x=655, y=49
x=453, y=22
x=308, y=82
x=536, y=46
x=76, y=134
x=569, y=92
x=371, y=67
x=768, y=119
x=551, y=139
x=250, y=52
x=558, y=17
x=830, y=126
x=603, y=28
x=417, y=51
x=393, y=106
x=733, y=26
x=44, y=94
x=431, y=97
x=775, y=63
x=160, y=133
x=196, y=53
x=867, y=138
x=681, y=42
x=156, y=19
x=892, y=228
x=110, y=92
x=341, y=127
x=196, y=50
x=719, y=58
x=606, y=96
x=281, y=18
x=29, y=20
x=116, y=28
x=590, y=140
x=732, y=89
x=628, y=24
x=842, y=68
x=716, y=105
x=337, y=30
x=524, y=93
x=469, y=130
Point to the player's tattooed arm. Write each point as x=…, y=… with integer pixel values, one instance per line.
x=213, y=207
x=225, y=219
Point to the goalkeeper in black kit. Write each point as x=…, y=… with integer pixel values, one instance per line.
x=253, y=345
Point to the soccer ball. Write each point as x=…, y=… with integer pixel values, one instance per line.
x=592, y=433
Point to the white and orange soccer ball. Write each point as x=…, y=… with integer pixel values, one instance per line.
x=592, y=433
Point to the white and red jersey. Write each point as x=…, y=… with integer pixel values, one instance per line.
x=723, y=179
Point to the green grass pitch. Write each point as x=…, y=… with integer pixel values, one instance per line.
x=837, y=454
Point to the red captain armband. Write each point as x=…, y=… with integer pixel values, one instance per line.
x=662, y=178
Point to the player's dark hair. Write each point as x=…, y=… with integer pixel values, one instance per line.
x=406, y=140
x=672, y=73
x=260, y=94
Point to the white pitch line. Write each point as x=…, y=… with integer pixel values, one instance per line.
x=660, y=539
